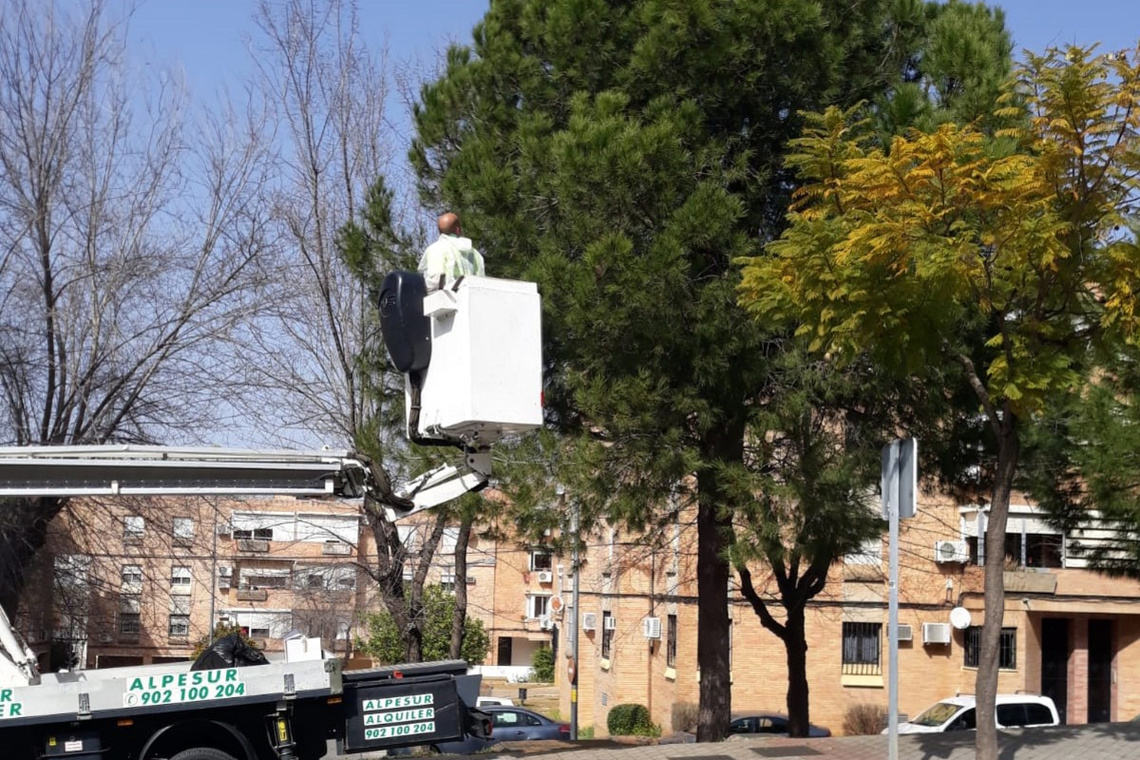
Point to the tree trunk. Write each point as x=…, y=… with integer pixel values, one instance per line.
x=714, y=537
x=459, y=622
x=414, y=630
x=795, y=648
x=1009, y=450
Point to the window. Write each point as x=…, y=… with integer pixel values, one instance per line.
x=607, y=634
x=861, y=645
x=183, y=531
x=1037, y=550
x=179, y=618
x=256, y=579
x=511, y=718
x=129, y=622
x=133, y=527
x=259, y=534
x=671, y=642
x=967, y=721
x=1038, y=715
x=132, y=578
x=541, y=560
x=1007, y=650
x=537, y=605
x=447, y=582
x=180, y=580
x=869, y=553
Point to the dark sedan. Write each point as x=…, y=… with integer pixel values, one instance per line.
x=768, y=723
x=509, y=724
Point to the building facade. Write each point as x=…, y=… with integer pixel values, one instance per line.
x=132, y=582
x=138, y=581
x=1066, y=632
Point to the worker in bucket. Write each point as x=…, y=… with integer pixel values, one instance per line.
x=452, y=257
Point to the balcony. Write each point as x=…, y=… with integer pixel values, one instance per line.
x=252, y=545
x=252, y=594
x=336, y=547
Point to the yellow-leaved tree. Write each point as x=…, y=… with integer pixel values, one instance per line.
x=1008, y=254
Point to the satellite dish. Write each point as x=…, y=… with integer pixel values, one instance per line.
x=960, y=618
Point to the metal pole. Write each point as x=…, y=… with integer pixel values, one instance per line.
x=574, y=618
x=213, y=573
x=893, y=617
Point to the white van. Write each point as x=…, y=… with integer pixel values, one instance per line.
x=959, y=714
x=494, y=702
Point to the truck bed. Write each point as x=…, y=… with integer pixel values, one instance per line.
x=127, y=691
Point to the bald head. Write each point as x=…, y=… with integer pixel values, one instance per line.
x=449, y=224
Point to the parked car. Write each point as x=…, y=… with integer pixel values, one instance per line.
x=959, y=714
x=509, y=724
x=767, y=723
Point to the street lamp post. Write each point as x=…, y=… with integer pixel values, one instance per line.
x=574, y=618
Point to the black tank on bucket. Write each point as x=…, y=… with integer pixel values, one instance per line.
x=407, y=332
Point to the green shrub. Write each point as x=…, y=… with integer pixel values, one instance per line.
x=685, y=716
x=543, y=663
x=864, y=720
x=631, y=720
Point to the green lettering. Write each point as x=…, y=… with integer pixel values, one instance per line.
x=136, y=685
x=15, y=708
x=231, y=675
x=6, y=695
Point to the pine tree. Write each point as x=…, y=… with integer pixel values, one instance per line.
x=622, y=155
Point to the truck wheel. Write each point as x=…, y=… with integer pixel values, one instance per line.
x=202, y=753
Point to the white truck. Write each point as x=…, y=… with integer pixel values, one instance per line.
x=471, y=354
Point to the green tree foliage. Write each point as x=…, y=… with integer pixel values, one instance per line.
x=631, y=720
x=385, y=643
x=622, y=155
x=543, y=663
x=909, y=254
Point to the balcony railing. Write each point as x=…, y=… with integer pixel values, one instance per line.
x=336, y=547
x=252, y=595
x=252, y=545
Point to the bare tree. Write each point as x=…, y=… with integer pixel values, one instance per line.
x=130, y=250
x=326, y=92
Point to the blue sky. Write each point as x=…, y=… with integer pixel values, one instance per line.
x=206, y=38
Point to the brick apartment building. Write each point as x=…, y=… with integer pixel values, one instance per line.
x=1067, y=632
x=138, y=581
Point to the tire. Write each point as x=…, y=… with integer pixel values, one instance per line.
x=203, y=753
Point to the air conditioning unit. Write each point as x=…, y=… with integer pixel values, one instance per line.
x=589, y=621
x=951, y=551
x=546, y=624
x=651, y=627
x=225, y=576
x=611, y=623
x=936, y=633
x=546, y=577
x=906, y=633
x=224, y=529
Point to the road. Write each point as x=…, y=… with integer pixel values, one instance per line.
x=1100, y=742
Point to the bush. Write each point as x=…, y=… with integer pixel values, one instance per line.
x=631, y=720
x=543, y=663
x=685, y=716
x=864, y=720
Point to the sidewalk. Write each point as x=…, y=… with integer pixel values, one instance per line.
x=1100, y=742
